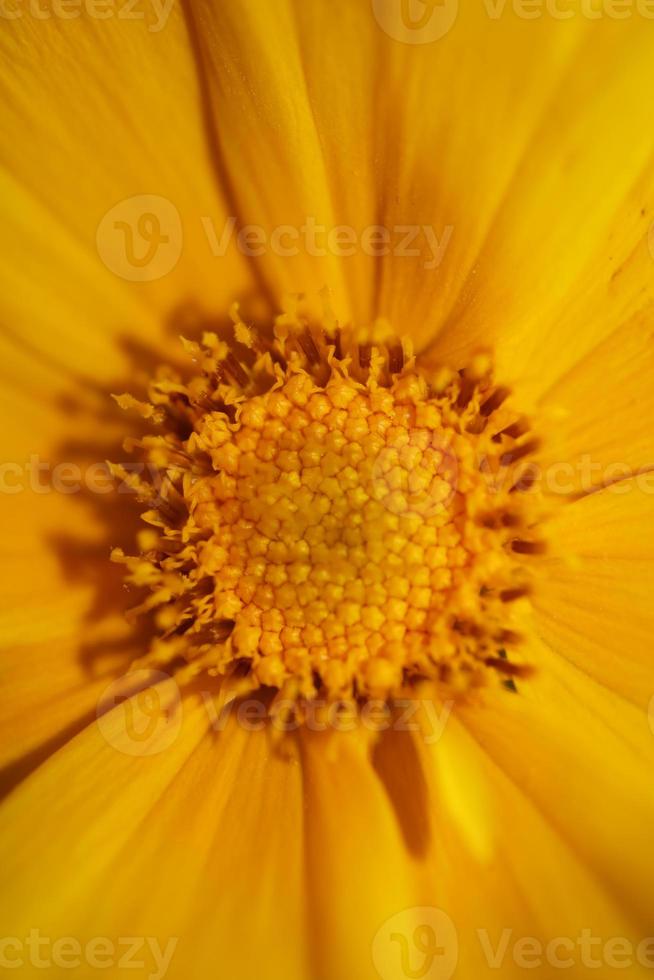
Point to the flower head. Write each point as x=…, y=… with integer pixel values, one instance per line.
x=395, y=485
x=333, y=520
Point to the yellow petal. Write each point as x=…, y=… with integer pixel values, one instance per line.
x=197, y=845
x=564, y=261
x=62, y=626
x=463, y=114
x=581, y=757
x=523, y=899
x=360, y=875
x=597, y=416
x=291, y=89
x=338, y=45
x=99, y=116
x=594, y=604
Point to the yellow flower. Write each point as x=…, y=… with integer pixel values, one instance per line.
x=393, y=714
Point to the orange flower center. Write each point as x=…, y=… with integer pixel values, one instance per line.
x=328, y=520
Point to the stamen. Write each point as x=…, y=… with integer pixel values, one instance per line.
x=327, y=520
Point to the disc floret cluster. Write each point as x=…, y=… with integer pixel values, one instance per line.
x=327, y=520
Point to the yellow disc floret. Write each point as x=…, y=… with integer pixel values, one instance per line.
x=328, y=520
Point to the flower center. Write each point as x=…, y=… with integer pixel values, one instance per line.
x=329, y=520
